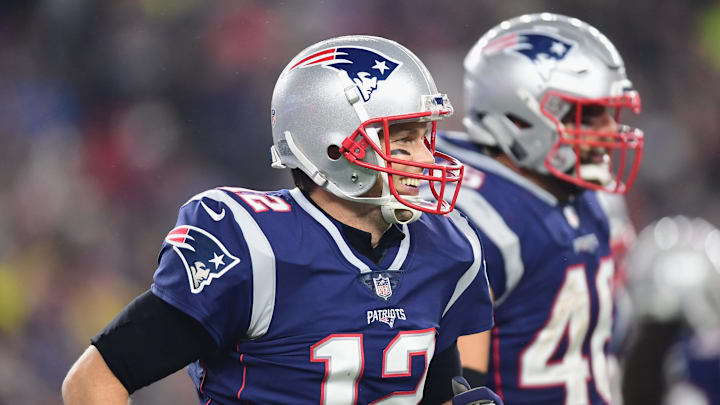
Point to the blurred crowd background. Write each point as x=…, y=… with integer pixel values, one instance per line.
x=114, y=113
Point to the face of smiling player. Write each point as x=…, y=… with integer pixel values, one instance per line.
x=407, y=142
x=597, y=119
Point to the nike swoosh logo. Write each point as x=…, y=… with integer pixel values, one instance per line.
x=214, y=215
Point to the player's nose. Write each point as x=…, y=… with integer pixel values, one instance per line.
x=422, y=154
x=604, y=123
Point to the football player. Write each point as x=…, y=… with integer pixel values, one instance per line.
x=543, y=97
x=674, y=286
x=339, y=291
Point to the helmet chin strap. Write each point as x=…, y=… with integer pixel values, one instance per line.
x=391, y=209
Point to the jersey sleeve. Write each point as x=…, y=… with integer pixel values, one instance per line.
x=205, y=269
x=470, y=309
x=503, y=253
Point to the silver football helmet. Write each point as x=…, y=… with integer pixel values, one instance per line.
x=529, y=77
x=329, y=106
x=674, y=272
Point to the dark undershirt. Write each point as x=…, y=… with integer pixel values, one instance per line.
x=361, y=241
x=171, y=339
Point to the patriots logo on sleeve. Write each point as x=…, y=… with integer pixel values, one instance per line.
x=204, y=256
x=365, y=67
x=543, y=50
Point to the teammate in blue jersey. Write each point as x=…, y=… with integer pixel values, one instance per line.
x=543, y=97
x=672, y=355
x=339, y=291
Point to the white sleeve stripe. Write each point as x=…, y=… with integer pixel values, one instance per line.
x=489, y=221
x=262, y=259
x=330, y=228
x=467, y=278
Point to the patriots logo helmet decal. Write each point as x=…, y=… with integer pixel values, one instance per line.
x=365, y=67
x=544, y=50
x=205, y=258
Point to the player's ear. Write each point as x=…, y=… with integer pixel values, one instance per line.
x=302, y=181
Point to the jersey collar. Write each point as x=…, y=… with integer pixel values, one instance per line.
x=342, y=240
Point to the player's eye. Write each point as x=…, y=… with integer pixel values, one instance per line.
x=588, y=113
x=592, y=111
x=401, y=139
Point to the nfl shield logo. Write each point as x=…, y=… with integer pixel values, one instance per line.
x=382, y=287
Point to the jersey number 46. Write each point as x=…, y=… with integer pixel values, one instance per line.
x=571, y=313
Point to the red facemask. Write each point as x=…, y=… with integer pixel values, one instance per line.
x=438, y=175
x=622, y=147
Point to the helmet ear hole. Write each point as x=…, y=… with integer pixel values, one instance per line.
x=479, y=116
x=333, y=152
x=519, y=122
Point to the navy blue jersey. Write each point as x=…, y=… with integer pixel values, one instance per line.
x=300, y=316
x=550, y=270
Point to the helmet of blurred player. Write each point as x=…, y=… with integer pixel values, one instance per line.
x=329, y=107
x=674, y=272
x=528, y=82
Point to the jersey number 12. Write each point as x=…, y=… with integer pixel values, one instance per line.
x=344, y=360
